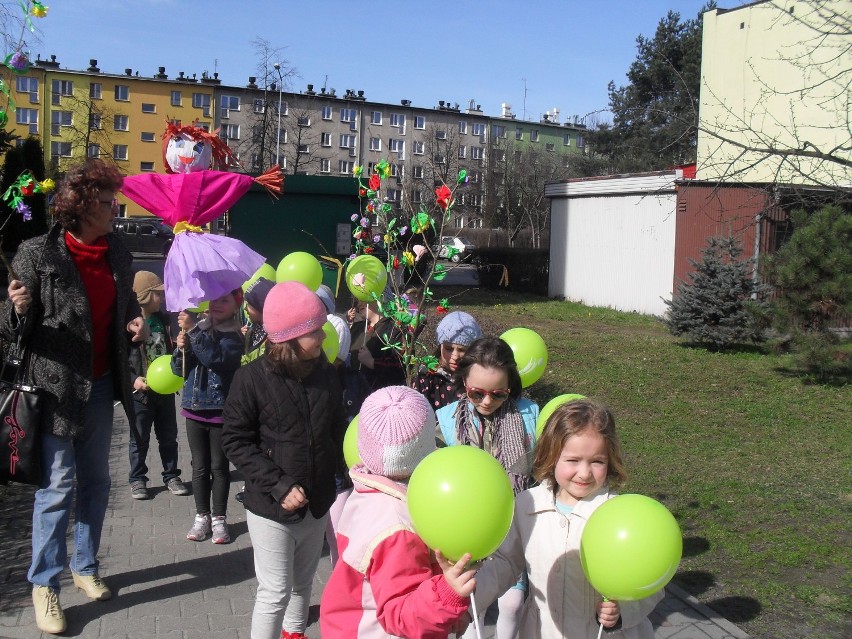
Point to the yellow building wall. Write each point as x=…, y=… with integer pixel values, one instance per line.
x=773, y=80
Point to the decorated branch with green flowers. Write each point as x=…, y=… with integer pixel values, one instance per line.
x=379, y=228
x=17, y=60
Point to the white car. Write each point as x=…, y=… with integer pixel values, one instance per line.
x=454, y=248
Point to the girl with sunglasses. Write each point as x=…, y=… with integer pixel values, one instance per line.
x=492, y=415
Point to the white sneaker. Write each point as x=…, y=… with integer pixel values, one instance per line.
x=48, y=612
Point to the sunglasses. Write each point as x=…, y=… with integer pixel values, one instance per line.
x=477, y=394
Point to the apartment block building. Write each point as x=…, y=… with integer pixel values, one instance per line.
x=79, y=113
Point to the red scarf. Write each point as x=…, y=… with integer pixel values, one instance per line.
x=93, y=266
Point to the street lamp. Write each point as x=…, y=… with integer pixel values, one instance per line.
x=277, y=68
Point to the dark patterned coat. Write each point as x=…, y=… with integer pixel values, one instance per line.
x=58, y=328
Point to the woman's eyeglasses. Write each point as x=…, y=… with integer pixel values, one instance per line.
x=478, y=394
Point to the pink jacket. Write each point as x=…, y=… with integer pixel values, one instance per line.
x=386, y=583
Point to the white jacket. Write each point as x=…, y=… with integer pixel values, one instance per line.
x=561, y=602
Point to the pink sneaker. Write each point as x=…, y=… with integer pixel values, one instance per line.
x=200, y=528
x=220, y=531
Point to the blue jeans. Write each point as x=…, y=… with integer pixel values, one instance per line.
x=63, y=458
x=157, y=411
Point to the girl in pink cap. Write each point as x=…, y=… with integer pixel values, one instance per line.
x=284, y=426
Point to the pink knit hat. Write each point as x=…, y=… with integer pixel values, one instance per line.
x=396, y=430
x=291, y=310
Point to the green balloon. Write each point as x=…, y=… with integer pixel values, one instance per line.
x=350, y=444
x=530, y=353
x=460, y=500
x=300, y=267
x=549, y=408
x=375, y=277
x=266, y=271
x=160, y=377
x=331, y=342
x=630, y=548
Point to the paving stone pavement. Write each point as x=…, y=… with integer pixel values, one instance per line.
x=167, y=587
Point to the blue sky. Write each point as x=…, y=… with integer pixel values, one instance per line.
x=560, y=53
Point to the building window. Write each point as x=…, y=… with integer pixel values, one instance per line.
x=229, y=103
x=375, y=144
x=149, y=108
x=61, y=88
x=348, y=115
x=376, y=117
x=419, y=122
x=60, y=149
x=304, y=120
x=396, y=171
x=566, y=139
x=499, y=155
x=548, y=146
x=147, y=137
x=347, y=141
x=282, y=107
x=581, y=142
x=479, y=128
x=533, y=136
x=202, y=101
x=120, y=123
x=325, y=139
x=26, y=84
x=397, y=146
x=325, y=165
x=282, y=136
x=345, y=167
x=397, y=119
x=440, y=159
x=474, y=176
x=230, y=132
x=417, y=172
x=95, y=89
x=476, y=152
x=417, y=147
x=463, y=127
x=440, y=134
x=176, y=98
x=95, y=121
x=122, y=92
x=258, y=105
x=462, y=152
x=146, y=166
x=392, y=195
x=519, y=133
x=94, y=151
x=119, y=151
x=59, y=119
x=417, y=197
x=498, y=131
x=326, y=113
x=303, y=149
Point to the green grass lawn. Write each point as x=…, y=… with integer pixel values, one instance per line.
x=753, y=462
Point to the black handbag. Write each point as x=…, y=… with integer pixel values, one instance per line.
x=20, y=416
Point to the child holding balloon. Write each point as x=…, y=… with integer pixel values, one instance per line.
x=208, y=354
x=387, y=583
x=493, y=416
x=152, y=408
x=578, y=462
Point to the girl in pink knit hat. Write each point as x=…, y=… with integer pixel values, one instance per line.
x=284, y=426
x=387, y=583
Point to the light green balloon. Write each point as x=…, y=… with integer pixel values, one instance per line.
x=549, y=408
x=331, y=342
x=460, y=500
x=350, y=444
x=630, y=548
x=266, y=271
x=300, y=267
x=160, y=377
x=375, y=277
x=530, y=353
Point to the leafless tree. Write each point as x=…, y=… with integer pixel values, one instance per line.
x=85, y=124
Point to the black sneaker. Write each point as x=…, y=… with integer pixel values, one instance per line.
x=177, y=487
x=139, y=490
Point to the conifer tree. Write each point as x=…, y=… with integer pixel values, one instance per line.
x=718, y=308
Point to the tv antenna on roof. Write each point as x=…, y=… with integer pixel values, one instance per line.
x=524, y=116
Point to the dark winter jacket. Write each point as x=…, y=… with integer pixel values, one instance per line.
x=280, y=432
x=58, y=328
x=138, y=354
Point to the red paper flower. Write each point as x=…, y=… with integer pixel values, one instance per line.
x=396, y=262
x=443, y=194
x=375, y=182
x=440, y=310
x=362, y=192
x=27, y=189
x=368, y=249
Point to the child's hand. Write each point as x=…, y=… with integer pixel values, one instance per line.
x=244, y=329
x=182, y=340
x=461, y=581
x=140, y=384
x=295, y=499
x=186, y=320
x=608, y=613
